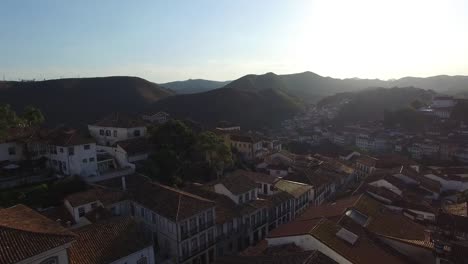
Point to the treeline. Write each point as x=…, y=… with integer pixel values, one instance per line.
x=181, y=153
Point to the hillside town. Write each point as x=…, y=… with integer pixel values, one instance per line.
x=378, y=194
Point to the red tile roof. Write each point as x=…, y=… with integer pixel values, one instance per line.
x=330, y=210
x=106, y=196
x=108, y=241
x=295, y=228
x=171, y=203
x=238, y=182
x=25, y=233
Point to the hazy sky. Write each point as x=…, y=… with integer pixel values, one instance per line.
x=223, y=39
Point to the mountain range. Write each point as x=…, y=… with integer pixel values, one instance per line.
x=251, y=101
x=193, y=86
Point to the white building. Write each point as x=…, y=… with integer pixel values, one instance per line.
x=70, y=153
x=251, y=147
x=158, y=118
x=115, y=128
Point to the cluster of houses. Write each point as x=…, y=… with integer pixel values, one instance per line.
x=113, y=146
x=281, y=207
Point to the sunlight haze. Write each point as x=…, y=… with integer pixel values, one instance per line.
x=223, y=40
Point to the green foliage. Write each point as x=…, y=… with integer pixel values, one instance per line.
x=32, y=117
x=42, y=195
x=182, y=155
x=8, y=118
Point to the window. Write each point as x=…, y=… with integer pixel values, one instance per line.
x=81, y=211
x=101, y=132
x=241, y=198
x=357, y=217
x=115, y=133
x=201, y=221
x=61, y=150
x=185, y=248
x=91, y=159
x=210, y=236
x=52, y=260
x=71, y=151
x=252, y=194
x=209, y=216
x=247, y=197
x=85, y=161
x=194, y=244
x=11, y=151
x=142, y=212
x=136, y=133
x=108, y=133
x=86, y=147
x=202, y=241
x=193, y=225
x=142, y=260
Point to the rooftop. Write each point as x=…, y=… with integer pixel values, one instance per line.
x=105, y=195
x=108, y=241
x=25, y=233
x=120, y=120
x=135, y=145
x=169, y=202
x=238, y=182
x=295, y=189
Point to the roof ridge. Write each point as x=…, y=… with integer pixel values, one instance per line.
x=178, y=207
x=68, y=234
x=180, y=192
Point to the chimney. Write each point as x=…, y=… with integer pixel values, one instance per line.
x=124, y=184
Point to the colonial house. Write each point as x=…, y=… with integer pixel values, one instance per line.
x=244, y=192
x=12, y=145
x=249, y=146
x=303, y=194
x=80, y=204
x=183, y=224
x=117, y=127
x=28, y=237
x=450, y=178
x=157, y=118
x=70, y=153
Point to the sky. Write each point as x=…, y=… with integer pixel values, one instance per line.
x=167, y=40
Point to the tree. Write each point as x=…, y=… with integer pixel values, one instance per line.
x=216, y=152
x=32, y=117
x=181, y=155
x=8, y=119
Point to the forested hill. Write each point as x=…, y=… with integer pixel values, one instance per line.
x=370, y=104
x=82, y=100
x=251, y=101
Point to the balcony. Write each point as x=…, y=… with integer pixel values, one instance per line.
x=193, y=252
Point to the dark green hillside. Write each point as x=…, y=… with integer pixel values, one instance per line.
x=83, y=100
